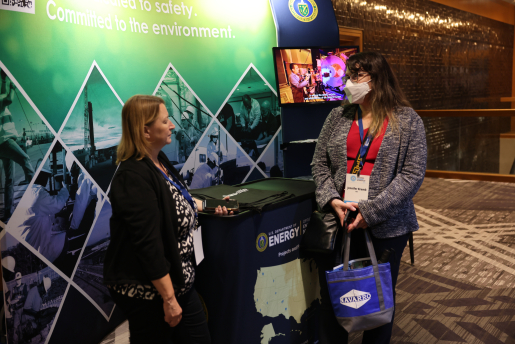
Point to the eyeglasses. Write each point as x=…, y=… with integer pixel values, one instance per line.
x=354, y=77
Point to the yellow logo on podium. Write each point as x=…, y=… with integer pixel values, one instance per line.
x=262, y=242
x=303, y=10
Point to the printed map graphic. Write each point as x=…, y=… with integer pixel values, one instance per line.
x=283, y=290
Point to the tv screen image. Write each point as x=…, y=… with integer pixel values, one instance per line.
x=311, y=74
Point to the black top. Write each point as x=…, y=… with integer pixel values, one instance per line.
x=144, y=226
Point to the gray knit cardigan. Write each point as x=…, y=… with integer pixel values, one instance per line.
x=398, y=171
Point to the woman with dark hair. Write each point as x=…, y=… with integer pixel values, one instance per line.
x=149, y=265
x=376, y=134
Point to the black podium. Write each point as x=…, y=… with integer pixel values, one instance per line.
x=251, y=280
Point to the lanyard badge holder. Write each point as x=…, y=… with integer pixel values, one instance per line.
x=356, y=185
x=175, y=182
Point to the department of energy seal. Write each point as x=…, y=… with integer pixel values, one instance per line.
x=262, y=242
x=303, y=10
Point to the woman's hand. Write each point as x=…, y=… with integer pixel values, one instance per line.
x=173, y=312
x=341, y=208
x=223, y=210
x=359, y=222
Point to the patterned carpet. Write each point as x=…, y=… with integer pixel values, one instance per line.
x=462, y=286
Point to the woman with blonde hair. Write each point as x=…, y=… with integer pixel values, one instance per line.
x=149, y=265
x=376, y=135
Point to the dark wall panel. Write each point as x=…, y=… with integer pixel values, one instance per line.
x=444, y=58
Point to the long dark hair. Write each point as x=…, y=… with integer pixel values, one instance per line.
x=386, y=93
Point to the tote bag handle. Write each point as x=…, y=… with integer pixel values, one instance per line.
x=372, y=253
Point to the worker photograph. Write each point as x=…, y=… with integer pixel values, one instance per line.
x=187, y=136
x=24, y=140
x=190, y=117
x=89, y=273
x=35, y=293
x=207, y=174
x=92, y=130
x=41, y=207
x=57, y=213
x=252, y=114
x=217, y=159
x=234, y=125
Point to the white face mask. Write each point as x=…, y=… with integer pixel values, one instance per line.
x=356, y=92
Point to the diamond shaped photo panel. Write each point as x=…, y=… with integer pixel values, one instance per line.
x=89, y=273
x=93, y=128
x=190, y=117
x=58, y=210
x=24, y=140
x=271, y=161
x=251, y=114
x=217, y=159
x=33, y=293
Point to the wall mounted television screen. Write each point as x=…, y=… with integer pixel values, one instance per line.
x=311, y=75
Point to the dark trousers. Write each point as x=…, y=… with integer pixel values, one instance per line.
x=147, y=325
x=330, y=331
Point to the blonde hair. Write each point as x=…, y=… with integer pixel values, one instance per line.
x=387, y=95
x=138, y=111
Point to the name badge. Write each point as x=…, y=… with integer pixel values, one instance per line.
x=197, y=245
x=356, y=188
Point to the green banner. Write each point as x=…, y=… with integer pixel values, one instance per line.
x=210, y=43
x=67, y=67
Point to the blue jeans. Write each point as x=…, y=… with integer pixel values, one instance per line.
x=329, y=331
x=147, y=325
x=10, y=151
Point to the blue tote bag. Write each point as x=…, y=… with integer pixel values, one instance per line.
x=362, y=299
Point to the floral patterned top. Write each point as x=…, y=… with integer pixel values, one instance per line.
x=187, y=224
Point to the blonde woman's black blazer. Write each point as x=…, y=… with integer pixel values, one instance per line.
x=144, y=226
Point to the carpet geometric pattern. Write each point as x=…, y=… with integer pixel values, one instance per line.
x=461, y=287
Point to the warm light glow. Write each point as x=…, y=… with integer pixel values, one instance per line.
x=427, y=19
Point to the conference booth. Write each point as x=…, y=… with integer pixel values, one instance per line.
x=68, y=67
